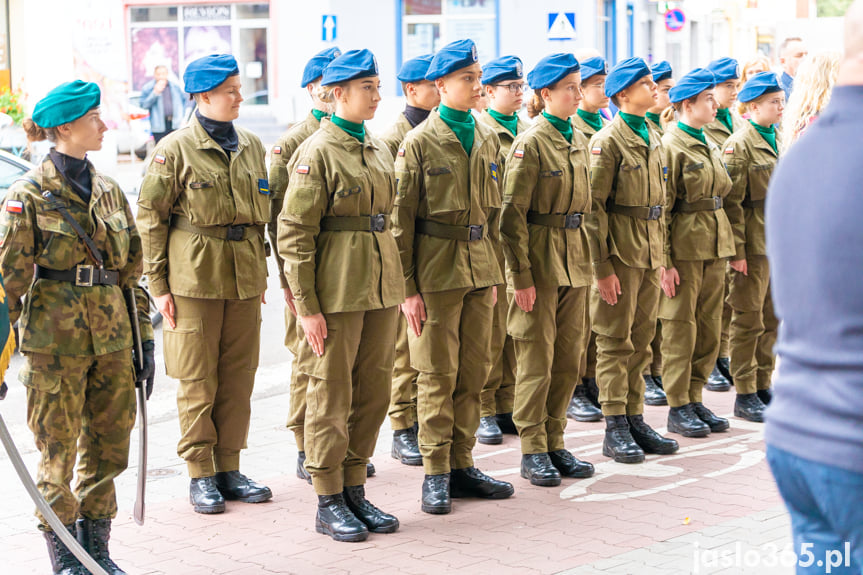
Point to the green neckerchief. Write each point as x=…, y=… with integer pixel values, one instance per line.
x=655, y=119
x=594, y=120
x=563, y=126
x=724, y=116
x=358, y=131
x=769, y=134
x=508, y=122
x=318, y=114
x=462, y=123
x=638, y=125
x=697, y=134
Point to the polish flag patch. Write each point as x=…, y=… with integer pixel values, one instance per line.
x=518, y=154
x=401, y=152
x=14, y=206
x=159, y=159
x=277, y=150
x=596, y=150
x=302, y=169
x=729, y=150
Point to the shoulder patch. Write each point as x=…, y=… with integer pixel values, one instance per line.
x=14, y=206
x=596, y=150
x=277, y=149
x=518, y=154
x=494, y=171
x=159, y=159
x=401, y=152
x=302, y=169
x=729, y=150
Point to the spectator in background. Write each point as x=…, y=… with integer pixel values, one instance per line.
x=815, y=80
x=752, y=66
x=814, y=430
x=166, y=101
x=791, y=53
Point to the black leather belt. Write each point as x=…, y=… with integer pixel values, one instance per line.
x=81, y=276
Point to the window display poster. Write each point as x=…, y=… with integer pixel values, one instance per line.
x=153, y=47
x=199, y=41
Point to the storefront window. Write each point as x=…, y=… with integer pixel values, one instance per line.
x=429, y=24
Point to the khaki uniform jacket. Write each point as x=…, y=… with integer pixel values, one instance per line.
x=625, y=171
x=396, y=133
x=695, y=172
x=437, y=181
x=505, y=136
x=191, y=176
x=58, y=317
x=717, y=133
x=547, y=175
x=335, y=175
x=579, y=124
x=750, y=161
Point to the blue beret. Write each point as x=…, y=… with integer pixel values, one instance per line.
x=349, y=66
x=551, y=70
x=624, y=75
x=204, y=74
x=315, y=67
x=415, y=69
x=454, y=56
x=66, y=103
x=592, y=67
x=692, y=84
x=725, y=69
x=502, y=69
x=758, y=85
x=661, y=71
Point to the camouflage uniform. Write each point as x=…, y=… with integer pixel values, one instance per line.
x=77, y=340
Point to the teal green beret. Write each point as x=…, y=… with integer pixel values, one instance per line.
x=66, y=103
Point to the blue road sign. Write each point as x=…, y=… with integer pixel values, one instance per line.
x=328, y=28
x=561, y=25
x=674, y=20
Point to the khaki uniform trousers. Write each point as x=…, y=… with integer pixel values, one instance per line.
x=347, y=397
x=403, y=394
x=297, y=393
x=499, y=391
x=655, y=365
x=623, y=335
x=691, y=324
x=753, y=327
x=453, y=357
x=214, y=353
x=549, y=345
x=588, y=360
x=80, y=406
x=724, y=348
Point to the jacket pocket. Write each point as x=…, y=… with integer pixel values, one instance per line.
x=443, y=192
x=208, y=201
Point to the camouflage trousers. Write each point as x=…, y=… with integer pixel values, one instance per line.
x=80, y=406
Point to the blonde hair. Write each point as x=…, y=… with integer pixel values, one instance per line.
x=813, y=85
x=745, y=75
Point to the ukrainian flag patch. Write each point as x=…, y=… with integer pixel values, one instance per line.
x=263, y=186
x=494, y=171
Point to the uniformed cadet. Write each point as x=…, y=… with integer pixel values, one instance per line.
x=280, y=155
x=503, y=82
x=75, y=333
x=343, y=268
x=202, y=210
x=421, y=96
x=626, y=229
x=546, y=196
x=588, y=120
x=698, y=242
x=727, y=122
x=750, y=156
x=447, y=226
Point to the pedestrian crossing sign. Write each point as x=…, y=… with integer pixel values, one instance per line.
x=561, y=25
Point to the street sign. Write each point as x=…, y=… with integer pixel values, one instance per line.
x=561, y=25
x=328, y=28
x=674, y=20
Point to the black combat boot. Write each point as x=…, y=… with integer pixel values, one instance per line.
x=618, y=442
x=581, y=408
x=723, y=364
x=234, y=486
x=749, y=407
x=657, y=379
x=436, y=497
x=653, y=394
x=569, y=465
x=93, y=535
x=375, y=520
x=370, y=469
x=648, y=439
x=488, y=432
x=537, y=468
x=471, y=482
x=506, y=424
x=301, y=468
x=716, y=381
x=592, y=390
x=765, y=395
x=205, y=496
x=335, y=519
x=406, y=448
x=713, y=421
x=683, y=420
x=63, y=562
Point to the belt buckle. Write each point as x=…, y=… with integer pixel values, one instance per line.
x=377, y=223
x=235, y=233
x=717, y=203
x=475, y=233
x=655, y=213
x=84, y=276
x=572, y=221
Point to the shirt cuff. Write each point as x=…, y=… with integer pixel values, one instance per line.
x=158, y=287
x=307, y=307
x=410, y=288
x=602, y=270
x=522, y=280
